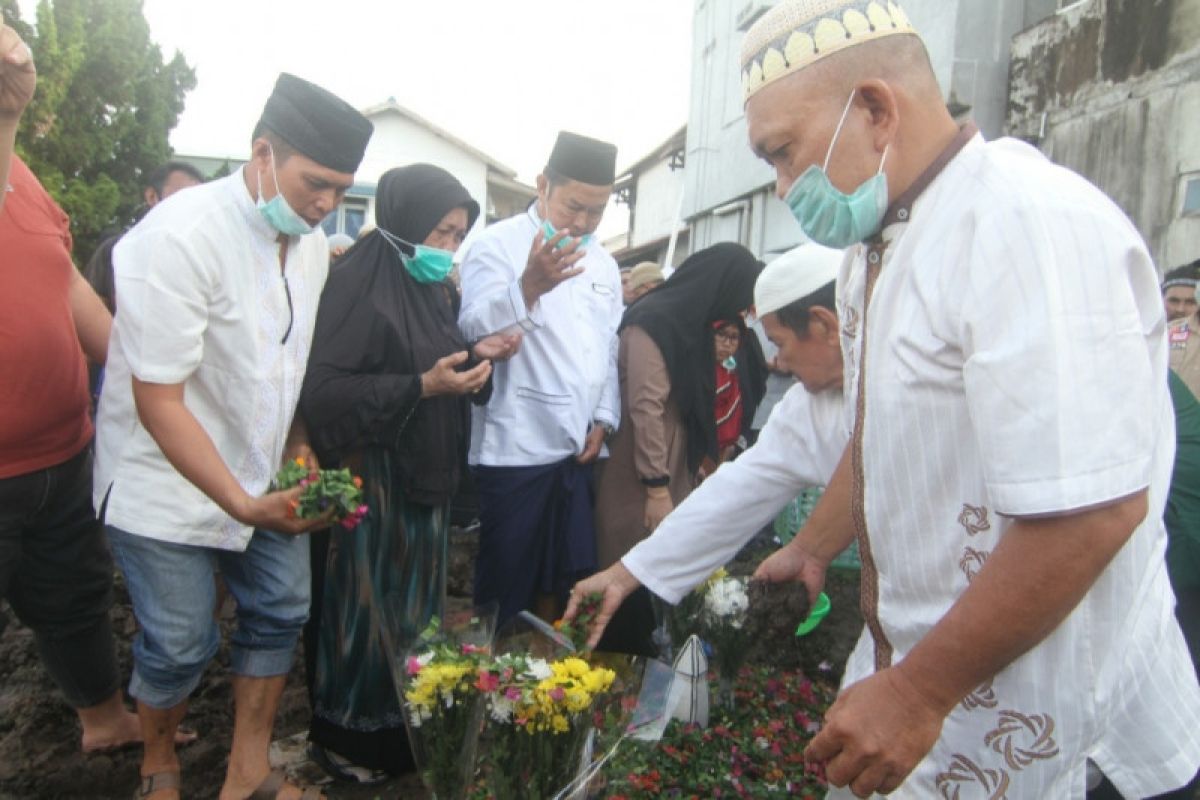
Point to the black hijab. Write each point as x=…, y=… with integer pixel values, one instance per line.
x=377, y=330
x=714, y=284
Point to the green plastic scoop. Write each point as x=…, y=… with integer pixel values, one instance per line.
x=815, y=615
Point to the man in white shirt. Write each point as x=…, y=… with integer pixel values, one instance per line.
x=218, y=292
x=799, y=447
x=1005, y=355
x=534, y=443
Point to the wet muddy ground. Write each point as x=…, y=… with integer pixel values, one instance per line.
x=39, y=735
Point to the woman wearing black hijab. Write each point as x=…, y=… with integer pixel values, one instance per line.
x=668, y=387
x=386, y=394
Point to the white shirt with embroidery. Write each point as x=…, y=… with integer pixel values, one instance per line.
x=201, y=301
x=799, y=447
x=545, y=398
x=1016, y=365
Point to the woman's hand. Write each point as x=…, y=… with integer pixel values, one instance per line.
x=658, y=505
x=497, y=347
x=443, y=378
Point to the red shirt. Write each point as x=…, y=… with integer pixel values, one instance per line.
x=43, y=392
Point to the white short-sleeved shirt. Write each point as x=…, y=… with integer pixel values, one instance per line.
x=1016, y=365
x=202, y=302
x=799, y=447
x=545, y=398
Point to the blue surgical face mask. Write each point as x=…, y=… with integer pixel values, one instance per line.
x=730, y=363
x=276, y=211
x=831, y=217
x=426, y=264
x=548, y=233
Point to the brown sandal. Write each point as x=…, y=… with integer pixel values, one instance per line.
x=156, y=782
x=269, y=788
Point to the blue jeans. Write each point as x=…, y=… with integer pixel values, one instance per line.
x=173, y=594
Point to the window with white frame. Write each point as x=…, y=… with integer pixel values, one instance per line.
x=1191, y=195
x=348, y=218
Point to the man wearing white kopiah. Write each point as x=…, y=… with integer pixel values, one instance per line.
x=534, y=443
x=1012, y=442
x=799, y=447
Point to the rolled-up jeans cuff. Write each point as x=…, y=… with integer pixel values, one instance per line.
x=262, y=663
x=156, y=698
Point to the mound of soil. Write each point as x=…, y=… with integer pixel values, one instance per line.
x=39, y=734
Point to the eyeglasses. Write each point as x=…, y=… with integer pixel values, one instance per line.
x=728, y=338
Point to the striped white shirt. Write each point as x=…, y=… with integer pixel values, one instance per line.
x=1016, y=365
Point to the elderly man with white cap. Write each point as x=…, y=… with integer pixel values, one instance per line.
x=798, y=448
x=1012, y=439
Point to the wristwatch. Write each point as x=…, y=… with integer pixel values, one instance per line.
x=609, y=430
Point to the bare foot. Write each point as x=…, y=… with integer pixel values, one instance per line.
x=274, y=780
x=120, y=730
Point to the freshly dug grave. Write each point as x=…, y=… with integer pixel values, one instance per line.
x=39, y=735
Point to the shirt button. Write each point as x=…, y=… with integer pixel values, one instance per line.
x=873, y=257
x=902, y=214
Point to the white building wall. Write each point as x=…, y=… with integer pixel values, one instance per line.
x=656, y=204
x=968, y=43
x=398, y=141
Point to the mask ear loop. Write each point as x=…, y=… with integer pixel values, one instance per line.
x=886, y=148
x=837, y=132
x=388, y=237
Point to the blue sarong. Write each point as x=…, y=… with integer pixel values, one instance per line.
x=537, y=534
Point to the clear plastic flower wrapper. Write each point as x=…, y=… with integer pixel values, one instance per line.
x=554, y=715
x=439, y=683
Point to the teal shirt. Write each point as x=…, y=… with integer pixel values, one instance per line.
x=1182, y=516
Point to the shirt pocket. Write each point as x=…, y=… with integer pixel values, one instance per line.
x=544, y=398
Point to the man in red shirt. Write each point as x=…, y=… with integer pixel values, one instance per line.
x=55, y=568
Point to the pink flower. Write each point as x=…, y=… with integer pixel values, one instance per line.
x=304, y=481
x=557, y=694
x=362, y=510
x=413, y=665
x=512, y=693
x=487, y=681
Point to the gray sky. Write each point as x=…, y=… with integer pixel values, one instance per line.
x=504, y=75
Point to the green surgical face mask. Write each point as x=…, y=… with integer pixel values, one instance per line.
x=276, y=211
x=426, y=264
x=834, y=218
x=548, y=233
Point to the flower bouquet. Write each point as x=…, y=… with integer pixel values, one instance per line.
x=686, y=617
x=724, y=625
x=443, y=705
x=540, y=721
x=324, y=490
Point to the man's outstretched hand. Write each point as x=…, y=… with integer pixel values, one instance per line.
x=614, y=585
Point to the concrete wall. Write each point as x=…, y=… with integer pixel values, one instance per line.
x=1111, y=89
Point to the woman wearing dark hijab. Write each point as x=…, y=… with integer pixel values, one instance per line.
x=665, y=362
x=386, y=394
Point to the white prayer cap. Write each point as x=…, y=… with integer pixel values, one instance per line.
x=797, y=33
x=795, y=275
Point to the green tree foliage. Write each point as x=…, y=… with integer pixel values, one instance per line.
x=104, y=105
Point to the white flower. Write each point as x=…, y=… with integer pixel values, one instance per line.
x=539, y=669
x=501, y=708
x=727, y=600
